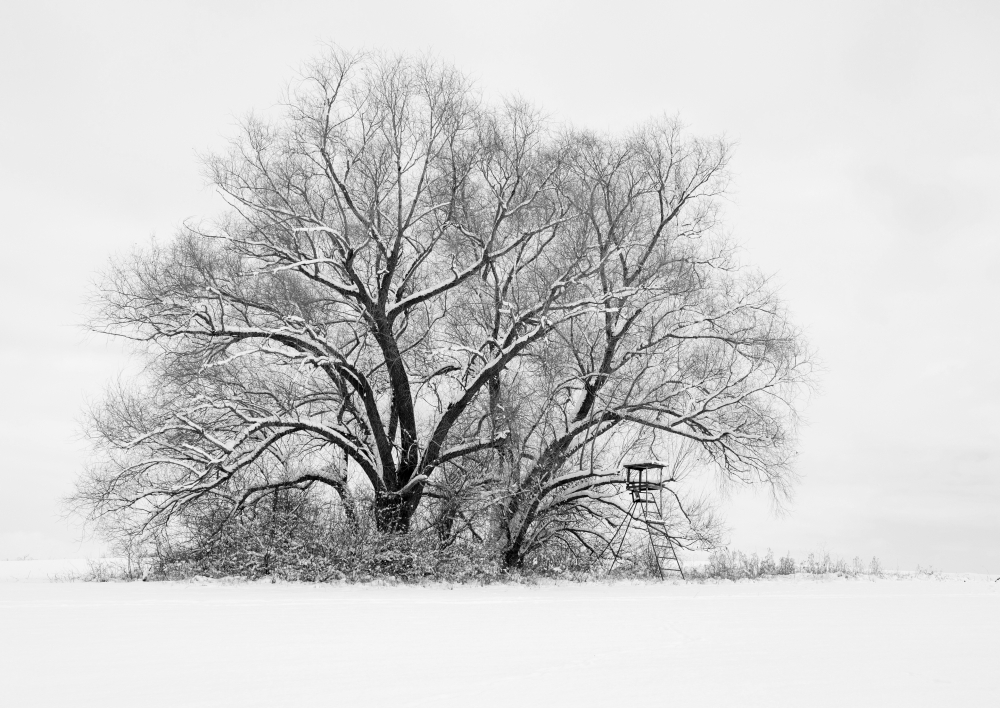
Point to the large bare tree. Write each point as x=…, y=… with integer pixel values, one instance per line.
x=445, y=299
x=686, y=345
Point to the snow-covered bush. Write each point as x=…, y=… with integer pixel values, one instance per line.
x=726, y=564
x=295, y=538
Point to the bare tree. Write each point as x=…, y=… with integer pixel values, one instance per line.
x=688, y=345
x=448, y=300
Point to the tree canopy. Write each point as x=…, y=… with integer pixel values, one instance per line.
x=449, y=308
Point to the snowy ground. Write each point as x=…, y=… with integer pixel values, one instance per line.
x=792, y=642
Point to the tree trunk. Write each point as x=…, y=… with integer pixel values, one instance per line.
x=512, y=558
x=392, y=514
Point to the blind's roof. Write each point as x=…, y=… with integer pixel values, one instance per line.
x=639, y=465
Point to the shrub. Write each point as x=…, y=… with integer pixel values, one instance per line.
x=875, y=567
x=295, y=538
x=725, y=564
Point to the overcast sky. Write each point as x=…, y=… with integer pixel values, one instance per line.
x=865, y=179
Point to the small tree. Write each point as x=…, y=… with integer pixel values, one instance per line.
x=442, y=299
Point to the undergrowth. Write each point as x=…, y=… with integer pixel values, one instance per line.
x=410, y=560
x=725, y=564
x=295, y=540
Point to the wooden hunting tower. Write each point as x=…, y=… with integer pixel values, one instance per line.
x=644, y=482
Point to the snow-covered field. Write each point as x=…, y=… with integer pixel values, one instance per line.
x=801, y=641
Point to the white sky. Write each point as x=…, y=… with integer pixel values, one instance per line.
x=865, y=179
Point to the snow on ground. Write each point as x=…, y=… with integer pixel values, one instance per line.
x=800, y=641
x=43, y=570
